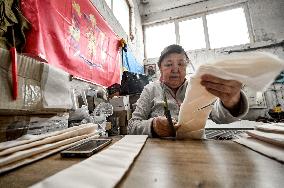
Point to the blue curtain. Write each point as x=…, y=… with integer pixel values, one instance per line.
x=130, y=63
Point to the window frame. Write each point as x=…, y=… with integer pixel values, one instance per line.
x=192, y=17
x=203, y=15
x=227, y=8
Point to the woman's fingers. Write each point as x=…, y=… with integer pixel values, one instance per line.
x=176, y=126
x=220, y=81
x=227, y=90
x=161, y=127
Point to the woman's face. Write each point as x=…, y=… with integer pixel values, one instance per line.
x=173, y=70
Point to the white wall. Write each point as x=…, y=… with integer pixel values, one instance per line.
x=136, y=45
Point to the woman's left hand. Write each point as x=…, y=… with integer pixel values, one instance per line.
x=229, y=91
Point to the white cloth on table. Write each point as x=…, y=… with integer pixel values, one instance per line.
x=104, y=169
x=270, y=150
x=274, y=128
x=267, y=139
x=81, y=130
x=272, y=138
x=24, y=151
x=32, y=138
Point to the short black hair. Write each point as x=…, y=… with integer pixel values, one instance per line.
x=174, y=48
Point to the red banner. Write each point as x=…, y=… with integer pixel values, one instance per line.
x=72, y=35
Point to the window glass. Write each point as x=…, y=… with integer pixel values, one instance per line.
x=121, y=12
x=227, y=28
x=191, y=34
x=158, y=37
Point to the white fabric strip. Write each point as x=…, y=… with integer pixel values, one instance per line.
x=55, y=86
x=274, y=128
x=19, y=155
x=104, y=169
x=28, y=150
x=265, y=148
x=82, y=130
x=35, y=157
x=272, y=138
x=257, y=70
x=32, y=138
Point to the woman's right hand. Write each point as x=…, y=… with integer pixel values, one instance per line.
x=162, y=128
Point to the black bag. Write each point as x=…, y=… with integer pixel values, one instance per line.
x=133, y=83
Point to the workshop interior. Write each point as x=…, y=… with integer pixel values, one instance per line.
x=71, y=73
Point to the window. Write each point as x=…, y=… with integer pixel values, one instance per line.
x=122, y=13
x=191, y=34
x=227, y=28
x=121, y=10
x=209, y=31
x=158, y=37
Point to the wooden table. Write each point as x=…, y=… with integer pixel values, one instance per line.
x=167, y=163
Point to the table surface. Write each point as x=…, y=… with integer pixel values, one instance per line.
x=168, y=163
x=165, y=163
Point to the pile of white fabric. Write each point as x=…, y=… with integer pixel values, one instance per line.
x=104, y=169
x=267, y=139
x=30, y=148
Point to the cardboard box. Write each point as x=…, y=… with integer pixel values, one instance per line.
x=124, y=116
x=120, y=103
x=119, y=120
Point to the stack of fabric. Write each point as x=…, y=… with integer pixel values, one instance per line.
x=105, y=169
x=30, y=148
x=267, y=139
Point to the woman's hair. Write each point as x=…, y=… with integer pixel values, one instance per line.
x=174, y=48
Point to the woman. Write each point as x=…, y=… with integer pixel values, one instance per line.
x=148, y=117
